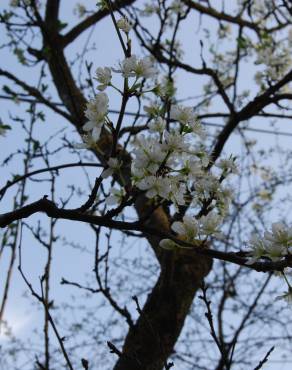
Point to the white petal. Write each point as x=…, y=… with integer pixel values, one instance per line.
x=88, y=126
x=167, y=244
x=106, y=173
x=96, y=133
x=111, y=200
x=79, y=145
x=178, y=227
x=151, y=193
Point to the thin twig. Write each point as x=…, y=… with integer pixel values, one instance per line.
x=265, y=359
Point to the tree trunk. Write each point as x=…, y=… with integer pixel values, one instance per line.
x=152, y=339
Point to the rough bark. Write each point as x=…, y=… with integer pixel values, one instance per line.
x=151, y=341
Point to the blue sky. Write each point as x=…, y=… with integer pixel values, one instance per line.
x=19, y=313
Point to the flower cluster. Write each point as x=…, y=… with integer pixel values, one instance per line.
x=138, y=68
x=80, y=10
x=97, y=109
x=192, y=229
x=170, y=162
x=96, y=112
x=116, y=196
x=124, y=25
x=103, y=76
x=275, y=244
x=277, y=61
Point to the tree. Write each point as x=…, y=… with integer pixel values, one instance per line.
x=160, y=178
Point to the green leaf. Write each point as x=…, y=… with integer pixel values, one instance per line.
x=41, y=116
x=241, y=42
x=5, y=127
x=62, y=25
x=36, y=145
x=20, y=55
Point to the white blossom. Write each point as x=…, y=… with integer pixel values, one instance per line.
x=184, y=115
x=157, y=125
x=206, y=186
x=96, y=110
x=197, y=128
x=124, y=25
x=149, y=9
x=178, y=6
x=209, y=224
x=188, y=228
x=153, y=109
x=174, y=141
x=127, y=67
x=193, y=169
x=275, y=251
x=281, y=235
x=115, y=197
x=88, y=143
x=155, y=185
x=113, y=166
x=177, y=194
x=258, y=249
x=145, y=68
x=103, y=76
x=80, y=10
x=275, y=244
x=228, y=165
x=204, y=157
x=166, y=88
x=149, y=155
x=133, y=67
